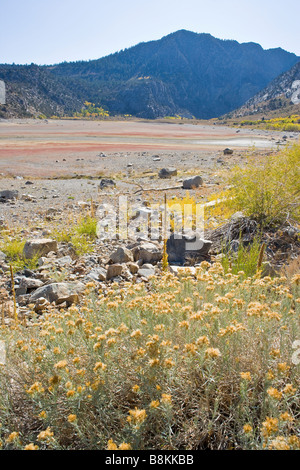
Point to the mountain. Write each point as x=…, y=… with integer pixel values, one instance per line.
x=183, y=73
x=32, y=91
x=282, y=96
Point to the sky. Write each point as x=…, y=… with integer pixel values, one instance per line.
x=53, y=31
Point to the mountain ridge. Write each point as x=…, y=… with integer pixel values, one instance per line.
x=184, y=73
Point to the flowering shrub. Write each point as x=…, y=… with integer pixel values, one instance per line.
x=189, y=362
x=269, y=190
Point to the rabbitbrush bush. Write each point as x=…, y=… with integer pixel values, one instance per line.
x=195, y=362
x=269, y=190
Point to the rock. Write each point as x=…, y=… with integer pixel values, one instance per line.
x=146, y=271
x=41, y=304
x=167, y=173
x=227, y=151
x=52, y=211
x=107, y=183
x=23, y=300
x=46, y=232
x=28, y=198
x=97, y=274
x=40, y=246
x=121, y=255
x=179, y=251
x=113, y=270
x=28, y=283
x=2, y=257
x=59, y=292
x=42, y=261
x=191, y=183
x=133, y=267
x=7, y=195
x=147, y=252
x=64, y=261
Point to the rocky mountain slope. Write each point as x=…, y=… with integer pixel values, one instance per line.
x=32, y=91
x=281, y=95
x=183, y=73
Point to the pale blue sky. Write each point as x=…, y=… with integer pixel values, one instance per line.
x=51, y=31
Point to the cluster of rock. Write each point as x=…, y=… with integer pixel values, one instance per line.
x=135, y=262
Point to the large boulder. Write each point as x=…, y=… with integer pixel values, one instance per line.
x=107, y=183
x=191, y=183
x=40, y=247
x=59, y=292
x=181, y=249
x=167, y=173
x=7, y=195
x=228, y=151
x=147, y=252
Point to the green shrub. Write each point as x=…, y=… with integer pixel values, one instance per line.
x=87, y=226
x=13, y=248
x=246, y=258
x=269, y=190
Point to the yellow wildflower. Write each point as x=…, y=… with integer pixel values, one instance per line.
x=246, y=376
x=294, y=441
x=279, y=443
x=61, y=364
x=99, y=365
x=125, y=446
x=111, y=445
x=136, y=417
x=166, y=399
x=45, y=435
x=274, y=393
x=31, y=446
x=286, y=417
x=136, y=334
x=154, y=404
x=12, y=437
x=270, y=426
x=202, y=340
x=289, y=390
x=72, y=418
x=212, y=352
x=247, y=428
